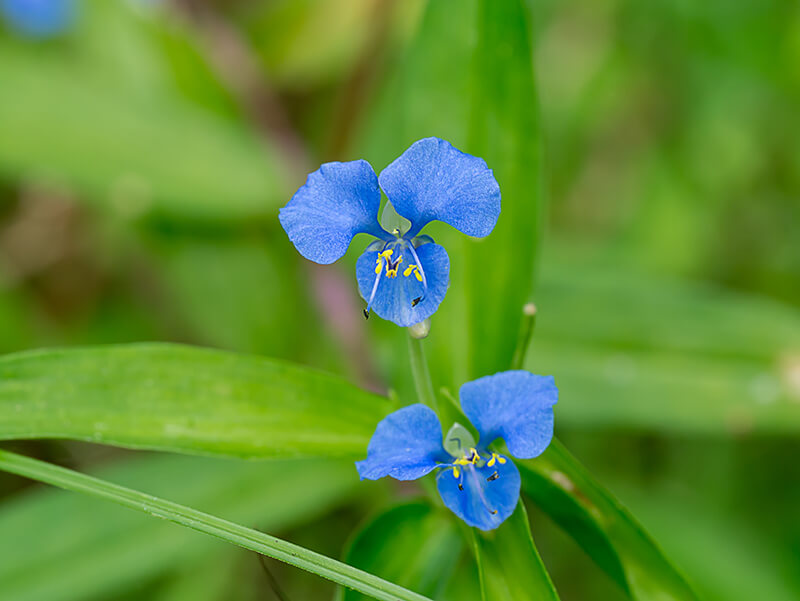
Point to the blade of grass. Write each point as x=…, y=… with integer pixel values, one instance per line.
x=236, y=534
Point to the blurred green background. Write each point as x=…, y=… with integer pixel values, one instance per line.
x=146, y=148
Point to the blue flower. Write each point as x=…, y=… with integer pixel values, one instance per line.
x=476, y=483
x=402, y=276
x=38, y=18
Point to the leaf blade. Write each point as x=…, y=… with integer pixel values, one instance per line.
x=509, y=563
x=202, y=522
x=184, y=399
x=565, y=490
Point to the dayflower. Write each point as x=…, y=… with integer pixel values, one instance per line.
x=478, y=484
x=402, y=276
x=39, y=18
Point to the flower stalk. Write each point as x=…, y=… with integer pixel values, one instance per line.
x=421, y=373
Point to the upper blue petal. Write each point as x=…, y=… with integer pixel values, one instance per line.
x=406, y=445
x=39, y=18
x=338, y=201
x=394, y=296
x=480, y=496
x=432, y=180
x=516, y=406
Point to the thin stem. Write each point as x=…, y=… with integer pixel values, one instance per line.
x=525, y=335
x=202, y=522
x=421, y=374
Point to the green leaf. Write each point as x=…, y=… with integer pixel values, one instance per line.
x=503, y=129
x=202, y=522
x=608, y=533
x=509, y=564
x=637, y=351
x=136, y=155
x=412, y=545
x=749, y=565
x=102, y=549
x=179, y=398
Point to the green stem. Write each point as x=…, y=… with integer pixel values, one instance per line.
x=525, y=335
x=202, y=522
x=421, y=374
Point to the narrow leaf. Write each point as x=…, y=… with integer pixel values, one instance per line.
x=564, y=490
x=202, y=522
x=102, y=548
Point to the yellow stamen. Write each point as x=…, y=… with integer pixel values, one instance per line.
x=456, y=471
x=415, y=269
x=496, y=458
x=378, y=266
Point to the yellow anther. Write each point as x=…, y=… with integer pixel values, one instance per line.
x=387, y=253
x=415, y=269
x=378, y=266
x=496, y=458
x=456, y=471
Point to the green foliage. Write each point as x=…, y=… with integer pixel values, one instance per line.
x=208, y=524
x=509, y=564
x=101, y=549
x=607, y=532
x=178, y=398
x=412, y=545
x=640, y=352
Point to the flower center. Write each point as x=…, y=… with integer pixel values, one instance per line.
x=466, y=466
x=386, y=261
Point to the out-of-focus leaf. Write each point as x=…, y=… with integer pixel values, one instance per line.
x=58, y=546
x=135, y=155
x=641, y=352
x=412, y=545
x=309, y=42
x=725, y=557
x=210, y=579
x=184, y=399
x=564, y=490
x=509, y=563
x=15, y=319
x=236, y=295
x=467, y=77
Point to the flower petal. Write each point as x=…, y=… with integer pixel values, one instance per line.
x=394, y=297
x=406, y=445
x=39, y=18
x=482, y=493
x=516, y=406
x=432, y=180
x=338, y=201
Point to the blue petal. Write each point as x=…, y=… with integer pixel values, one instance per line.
x=407, y=444
x=338, y=201
x=516, y=406
x=432, y=180
x=39, y=18
x=394, y=296
x=480, y=496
